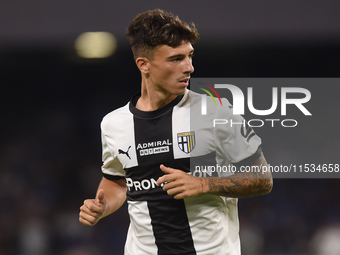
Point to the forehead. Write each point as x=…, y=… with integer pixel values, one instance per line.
x=166, y=51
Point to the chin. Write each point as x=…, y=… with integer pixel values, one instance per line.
x=180, y=92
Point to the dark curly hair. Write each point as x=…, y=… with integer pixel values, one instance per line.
x=157, y=27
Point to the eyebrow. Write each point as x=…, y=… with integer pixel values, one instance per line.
x=180, y=55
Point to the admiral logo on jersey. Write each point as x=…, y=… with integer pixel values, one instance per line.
x=154, y=147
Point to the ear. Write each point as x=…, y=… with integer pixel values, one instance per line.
x=143, y=64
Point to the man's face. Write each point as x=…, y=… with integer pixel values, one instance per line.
x=170, y=68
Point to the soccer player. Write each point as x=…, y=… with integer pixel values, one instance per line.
x=148, y=145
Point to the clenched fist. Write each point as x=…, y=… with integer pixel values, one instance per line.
x=93, y=209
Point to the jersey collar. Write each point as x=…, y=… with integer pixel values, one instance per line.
x=151, y=114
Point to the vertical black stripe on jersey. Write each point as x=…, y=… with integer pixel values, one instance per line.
x=168, y=215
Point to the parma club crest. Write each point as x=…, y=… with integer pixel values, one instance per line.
x=186, y=141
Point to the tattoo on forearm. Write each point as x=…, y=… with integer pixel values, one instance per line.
x=242, y=184
x=202, y=185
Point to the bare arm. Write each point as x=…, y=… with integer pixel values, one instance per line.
x=244, y=184
x=181, y=185
x=109, y=198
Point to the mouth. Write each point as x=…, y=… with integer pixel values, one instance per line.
x=185, y=81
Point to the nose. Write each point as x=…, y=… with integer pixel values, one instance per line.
x=189, y=68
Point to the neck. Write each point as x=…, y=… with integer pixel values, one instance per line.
x=152, y=100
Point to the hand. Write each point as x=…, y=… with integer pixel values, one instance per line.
x=93, y=209
x=180, y=184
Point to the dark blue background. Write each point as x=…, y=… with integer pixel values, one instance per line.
x=52, y=102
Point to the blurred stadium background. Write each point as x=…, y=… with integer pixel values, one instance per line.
x=53, y=98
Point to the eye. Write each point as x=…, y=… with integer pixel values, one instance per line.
x=175, y=60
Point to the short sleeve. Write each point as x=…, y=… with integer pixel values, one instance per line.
x=236, y=140
x=111, y=168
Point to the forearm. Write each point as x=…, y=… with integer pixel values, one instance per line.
x=115, y=194
x=241, y=184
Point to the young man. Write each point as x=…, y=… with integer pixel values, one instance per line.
x=171, y=212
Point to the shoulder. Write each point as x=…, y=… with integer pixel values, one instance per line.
x=190, y=99
x=116, y=116
x=212, y=106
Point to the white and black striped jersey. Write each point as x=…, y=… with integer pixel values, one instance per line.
x=136, y=143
